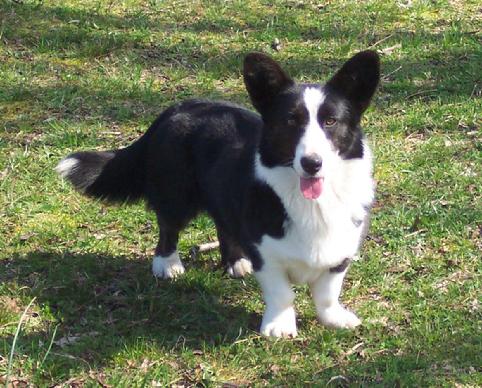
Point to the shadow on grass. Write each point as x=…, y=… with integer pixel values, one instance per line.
x=450, y=75
x=113, y=304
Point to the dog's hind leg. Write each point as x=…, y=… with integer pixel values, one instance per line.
x=232, y=257
x=167, y=263
x=173, y=214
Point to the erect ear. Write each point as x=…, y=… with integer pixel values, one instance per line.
x=358, y=78
x=264, y=79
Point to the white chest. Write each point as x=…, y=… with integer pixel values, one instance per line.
x=319, y=233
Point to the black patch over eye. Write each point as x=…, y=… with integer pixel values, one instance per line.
x=330, y=121
x=292, y=119
x=296, y=117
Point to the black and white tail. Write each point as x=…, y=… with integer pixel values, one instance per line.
x=115, y=176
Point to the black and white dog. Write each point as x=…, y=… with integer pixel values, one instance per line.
x=289, y=190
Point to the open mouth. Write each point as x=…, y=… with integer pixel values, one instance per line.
x=311, y=187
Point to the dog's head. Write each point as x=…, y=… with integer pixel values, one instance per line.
x=311, y=127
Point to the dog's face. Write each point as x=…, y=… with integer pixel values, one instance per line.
x=311, y=127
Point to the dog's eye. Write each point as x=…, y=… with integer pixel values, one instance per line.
x=330, y=121
x=293, y=118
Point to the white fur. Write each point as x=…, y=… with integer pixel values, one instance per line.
x=167, y=267
x=240, y=268
x=326, y=291
x=319, y=234
x=279, y=319
x=66, y=169
x=313, y=142
x=65, y=166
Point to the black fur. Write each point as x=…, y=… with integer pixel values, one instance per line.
x=342, y=266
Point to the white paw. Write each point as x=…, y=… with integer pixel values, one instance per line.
x=338, y=317
x=240, y=268
x=279, y=325
x=167, y=267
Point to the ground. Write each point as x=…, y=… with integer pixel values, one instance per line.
x=78, y=304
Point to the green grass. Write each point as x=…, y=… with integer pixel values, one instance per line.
x=94, y=74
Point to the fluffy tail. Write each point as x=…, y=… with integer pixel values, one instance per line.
x=115, y=176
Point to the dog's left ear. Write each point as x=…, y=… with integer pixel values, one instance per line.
x=358, y=79
x=264, y=79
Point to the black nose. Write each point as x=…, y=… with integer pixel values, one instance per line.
x=311, y=164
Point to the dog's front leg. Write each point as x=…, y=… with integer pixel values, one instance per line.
x=326, y=291
x=279, y=319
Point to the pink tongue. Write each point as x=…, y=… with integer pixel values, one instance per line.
x=311, y=187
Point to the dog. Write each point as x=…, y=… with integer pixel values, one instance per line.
x=289, y=188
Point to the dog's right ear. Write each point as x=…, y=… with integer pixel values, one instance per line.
x=264, y=79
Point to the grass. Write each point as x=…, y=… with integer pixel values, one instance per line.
x=94, y=74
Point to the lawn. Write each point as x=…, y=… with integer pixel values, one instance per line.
x=78, y=304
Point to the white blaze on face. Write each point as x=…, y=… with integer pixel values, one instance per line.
x=314, y=144
x=314, y=141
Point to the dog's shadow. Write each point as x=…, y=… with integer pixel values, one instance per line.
x=102, y=305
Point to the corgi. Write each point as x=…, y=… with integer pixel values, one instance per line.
x=289, y=188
